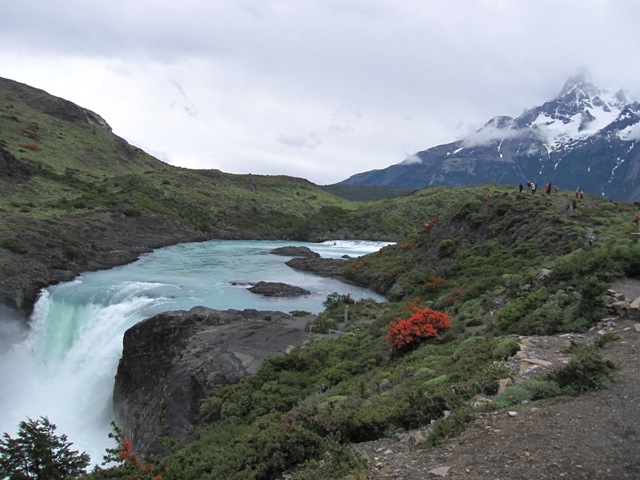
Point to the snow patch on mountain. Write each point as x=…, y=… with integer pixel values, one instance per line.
x=558, y=133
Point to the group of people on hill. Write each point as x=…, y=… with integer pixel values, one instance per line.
x=533, y=186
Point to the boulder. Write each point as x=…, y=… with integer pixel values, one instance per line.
x=291, y=251
x=172, y=361
x=325, y=267
x=277, y=289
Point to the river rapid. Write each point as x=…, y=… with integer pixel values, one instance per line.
x=63, y=365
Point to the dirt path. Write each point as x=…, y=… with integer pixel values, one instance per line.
x=594, y=436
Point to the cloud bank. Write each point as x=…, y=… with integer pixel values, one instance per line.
x=320, y=89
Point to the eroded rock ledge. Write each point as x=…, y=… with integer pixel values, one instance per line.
x=278, y=289
x=171, y=361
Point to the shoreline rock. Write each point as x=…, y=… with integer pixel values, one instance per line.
x=295, y=251
x=172, y=361
x=278, y=289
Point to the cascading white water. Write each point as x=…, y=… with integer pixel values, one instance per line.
x=64, y=366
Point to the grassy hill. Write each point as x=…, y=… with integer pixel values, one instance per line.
x=495, y=261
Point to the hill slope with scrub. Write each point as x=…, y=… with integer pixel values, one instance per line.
x=481, y=277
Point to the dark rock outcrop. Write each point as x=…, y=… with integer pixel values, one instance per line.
x=170, y=362
x=325, y=267
x=70, y=245
x=292, y=251
x=54, y=106
x=277, y=289
x=12, y=170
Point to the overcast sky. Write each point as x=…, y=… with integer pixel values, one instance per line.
x=320, y=89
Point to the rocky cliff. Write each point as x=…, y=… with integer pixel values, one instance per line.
x=61, y=249
x=170, y=362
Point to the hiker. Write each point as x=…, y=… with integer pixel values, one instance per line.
x=590, y=239
x=520, y=187
x=547, y=188
x=533, y=188
x=555, y=190
x=574, y=204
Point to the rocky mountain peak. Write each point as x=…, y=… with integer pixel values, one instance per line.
x=584, y=136
x=582, y=91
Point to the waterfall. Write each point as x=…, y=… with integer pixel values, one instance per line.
x=63, y=367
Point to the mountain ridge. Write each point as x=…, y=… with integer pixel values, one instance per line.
x=584, y=137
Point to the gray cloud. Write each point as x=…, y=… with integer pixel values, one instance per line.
x=372, y=79
x=182, y=101
x=488, y=135
x=304, y=141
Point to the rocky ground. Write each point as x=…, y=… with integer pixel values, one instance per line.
x=594, y=436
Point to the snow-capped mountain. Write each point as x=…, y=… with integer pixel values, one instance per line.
x=585, y=137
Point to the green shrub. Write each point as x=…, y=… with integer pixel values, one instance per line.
x=591, y=306
x=607, y=337
x=447, y=426
x=13, y=245
x=511, y=396
x=466, y=343
x=587, y=370
x=336, y=299
x=436, y=380
x=506, y=348
x=541, y=389
x=517, y=309
x=446, y=248
x=338, y=460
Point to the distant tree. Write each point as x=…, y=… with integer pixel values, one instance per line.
x=38, y=453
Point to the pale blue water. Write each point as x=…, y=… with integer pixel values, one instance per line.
x=63, y=367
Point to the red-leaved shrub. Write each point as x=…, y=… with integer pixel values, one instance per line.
x=423, y=323
x=34, y=148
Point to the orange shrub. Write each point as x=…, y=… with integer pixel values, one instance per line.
x=423, y=323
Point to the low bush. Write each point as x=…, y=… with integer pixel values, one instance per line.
x=541, y=389
x=13, y=245
x=511, y=396
x=423, y=323
x=449, y=425
x=506, y=348
x=587, y=370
